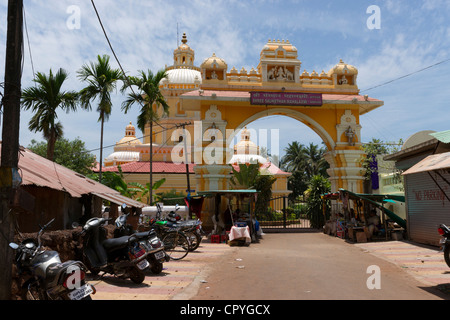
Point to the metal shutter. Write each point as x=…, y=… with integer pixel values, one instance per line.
x=427, y=206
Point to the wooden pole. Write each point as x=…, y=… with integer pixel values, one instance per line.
x=10, y=137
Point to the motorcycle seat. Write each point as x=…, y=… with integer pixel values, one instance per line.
x=145, y=234
x=115, y=243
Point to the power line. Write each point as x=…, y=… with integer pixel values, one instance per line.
x=142, y=137
x=115, y=56
x=407, y=75
x=28, y=40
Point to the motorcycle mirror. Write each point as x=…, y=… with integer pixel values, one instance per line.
x=75, y=225
x=13, y=245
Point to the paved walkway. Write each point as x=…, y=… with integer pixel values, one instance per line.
x=171, y=283
x=425, y=263
x=181, y=279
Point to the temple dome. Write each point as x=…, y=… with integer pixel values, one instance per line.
x=214, y=62
x=343, y=68
x=246, y=151
x=183, y=76
x=120, y=157
x=129, y=139
x=183, y=70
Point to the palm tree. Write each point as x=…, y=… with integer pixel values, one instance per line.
x=150, y=98
x=315, y=161
x=44, y=99
x=102, y=80
x=294, y=159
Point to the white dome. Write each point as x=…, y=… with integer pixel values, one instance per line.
x=123, y=156
x=184, y=76
x=247, y=158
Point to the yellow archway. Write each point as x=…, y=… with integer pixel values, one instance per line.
x=329, y=103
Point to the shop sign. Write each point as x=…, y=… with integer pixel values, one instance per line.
x=286, y=98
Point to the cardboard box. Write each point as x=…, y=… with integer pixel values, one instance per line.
x=397, y=235
x=361, y=237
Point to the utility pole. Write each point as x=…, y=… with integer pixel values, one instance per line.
x=186, y=160
x=10, y=138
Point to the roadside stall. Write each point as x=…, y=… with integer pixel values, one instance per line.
x=363, y=217
x=233, y=218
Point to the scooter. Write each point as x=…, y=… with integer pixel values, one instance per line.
x=48, y=277
x=444, y=231
x=148, y=239
x=123, y=257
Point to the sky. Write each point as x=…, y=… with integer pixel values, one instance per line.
x=399, y=47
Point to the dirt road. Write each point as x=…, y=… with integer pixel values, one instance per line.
x=305, y=266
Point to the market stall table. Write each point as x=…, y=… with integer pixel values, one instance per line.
x=240, y=233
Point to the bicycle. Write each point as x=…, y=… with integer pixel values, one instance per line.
x=176, y=242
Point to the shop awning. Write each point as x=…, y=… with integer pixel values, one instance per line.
x=431, y=163
x=442, y=136
x=375, y=199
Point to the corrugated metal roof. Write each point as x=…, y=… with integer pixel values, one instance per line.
x=434, y=162
x=442, y=136
x=119, y=199
x=41, y=172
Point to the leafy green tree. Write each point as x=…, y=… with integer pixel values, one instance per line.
x=171, y=198
x=294, y=159
x=101, y=82
x=303, y=162
x=70, y=154
x=249, y=177
x=150, y=99
x=246, y=177
x=145, y=191
x=315, y=161
x=318, y=185
x=45, y=99
x=264, y=184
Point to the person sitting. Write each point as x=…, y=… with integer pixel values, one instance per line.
x=373, y=223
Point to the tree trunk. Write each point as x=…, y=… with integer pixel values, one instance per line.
x=150, y=191
x=101, y=151
x=51, y=146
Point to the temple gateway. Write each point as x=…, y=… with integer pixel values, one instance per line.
x=218, y=103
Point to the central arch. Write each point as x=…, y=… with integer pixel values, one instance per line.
x=294, y=114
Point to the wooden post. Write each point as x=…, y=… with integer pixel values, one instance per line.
x=10, y=137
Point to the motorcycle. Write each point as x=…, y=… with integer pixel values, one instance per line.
x=192, y=228
x=48, y=277
x=444, y=231
x=123, y=257
x=148, y=240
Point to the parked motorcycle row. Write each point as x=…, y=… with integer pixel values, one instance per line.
x=128, y=255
